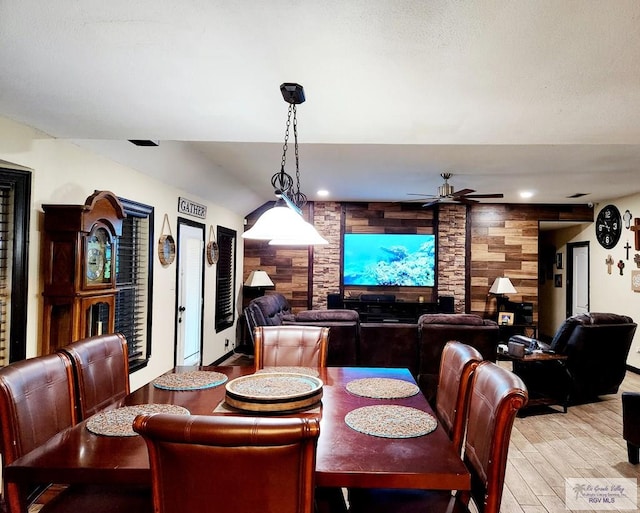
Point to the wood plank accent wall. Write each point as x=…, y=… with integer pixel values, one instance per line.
x=475, y=245
x=504, y=242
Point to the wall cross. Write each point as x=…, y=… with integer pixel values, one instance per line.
x=636, y=228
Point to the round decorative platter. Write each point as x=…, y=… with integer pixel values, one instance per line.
x=274, y=392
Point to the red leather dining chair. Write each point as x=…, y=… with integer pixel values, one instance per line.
x=101, y=370
x=496, y=396
x=37, y=402
x=457, y=365
x=298, y=346
x=230, y=464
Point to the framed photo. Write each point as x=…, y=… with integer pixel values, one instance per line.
x=558, y=260
x=557, y=280
x=505, y=318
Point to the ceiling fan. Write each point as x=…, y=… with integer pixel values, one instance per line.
x=447, y=194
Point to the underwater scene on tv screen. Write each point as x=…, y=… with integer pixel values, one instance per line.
x=389, y=259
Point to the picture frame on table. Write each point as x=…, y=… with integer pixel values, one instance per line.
x=505, y=318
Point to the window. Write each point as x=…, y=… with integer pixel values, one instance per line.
x=225, y=279
x=134, y=272
x=15, y=199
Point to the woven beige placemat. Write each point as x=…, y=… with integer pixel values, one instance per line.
x=382, y=388
x=307, y=371
x=391, y=421
x=191, y=380
x=119, y=422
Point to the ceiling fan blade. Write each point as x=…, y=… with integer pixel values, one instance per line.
x=462, y=192
x=423, y=195
x=431, y=203
x=496, y=195
x=466, y=199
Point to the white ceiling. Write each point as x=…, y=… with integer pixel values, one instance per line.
x=541, y=95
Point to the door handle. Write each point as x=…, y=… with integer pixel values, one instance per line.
x=181, y=309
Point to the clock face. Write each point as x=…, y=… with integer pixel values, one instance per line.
x=608, y=226
x=98, y=257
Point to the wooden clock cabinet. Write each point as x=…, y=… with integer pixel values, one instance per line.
x=79, y=268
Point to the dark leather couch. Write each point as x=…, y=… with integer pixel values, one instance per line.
x=274, y=310
x=417, y=347
x=435, y=330
x=596, y=345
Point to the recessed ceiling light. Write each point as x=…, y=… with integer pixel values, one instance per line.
x=526, y=194
x=323, y=193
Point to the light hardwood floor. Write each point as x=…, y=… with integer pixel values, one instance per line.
x=547, y=448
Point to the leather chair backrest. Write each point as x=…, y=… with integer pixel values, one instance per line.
x=302, y=346
x=101, y=370
x=496, y=396
x=36, y=402
x=597, y=357
x=243, y=464
x=435, y=330
x=458, y=363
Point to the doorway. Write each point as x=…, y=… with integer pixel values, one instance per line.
x=190, y=292
x=577, y=278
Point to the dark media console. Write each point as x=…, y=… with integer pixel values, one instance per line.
x=385, y=308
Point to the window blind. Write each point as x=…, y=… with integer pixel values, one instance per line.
x=133, y=280
x=225, y=278
x=6, y=243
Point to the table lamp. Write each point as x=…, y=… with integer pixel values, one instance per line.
x=502, y=286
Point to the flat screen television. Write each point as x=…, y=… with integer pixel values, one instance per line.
x=385, y=260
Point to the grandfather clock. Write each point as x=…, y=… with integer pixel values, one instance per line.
x=79, y=263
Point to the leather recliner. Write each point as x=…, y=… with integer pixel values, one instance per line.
x=596, y=345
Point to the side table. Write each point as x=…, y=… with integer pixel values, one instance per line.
x=535, y=369
x=509, y=330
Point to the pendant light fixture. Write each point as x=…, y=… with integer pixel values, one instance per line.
x=283, y=224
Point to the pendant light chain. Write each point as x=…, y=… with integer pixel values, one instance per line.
x=299, y=199
x=283, y=181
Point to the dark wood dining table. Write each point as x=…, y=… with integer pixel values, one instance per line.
x=345, y=457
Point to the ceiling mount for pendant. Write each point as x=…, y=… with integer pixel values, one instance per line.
x=292, y=93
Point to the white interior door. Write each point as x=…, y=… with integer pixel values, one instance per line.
x=190, y=294
x=580, y=280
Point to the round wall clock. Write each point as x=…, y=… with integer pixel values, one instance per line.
x=608, y=226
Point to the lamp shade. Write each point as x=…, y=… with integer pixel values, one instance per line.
x=285, y=226
x=304, y=235
x=502, y=285
x=258, y=279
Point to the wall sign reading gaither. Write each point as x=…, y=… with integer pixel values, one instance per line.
x=191, y=208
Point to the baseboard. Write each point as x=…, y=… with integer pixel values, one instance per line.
x=635, y=370
x=224, y=357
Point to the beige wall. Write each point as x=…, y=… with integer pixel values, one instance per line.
x=608, y=292
x=65, y=173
